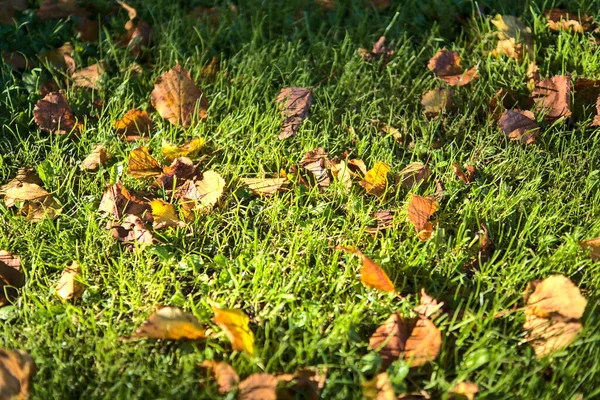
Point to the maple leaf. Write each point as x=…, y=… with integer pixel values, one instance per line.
x=141, y=164
x=235, y=325
x=563, y=20
x=171, y=323
x=53, y=114
x=11, y=276
x=227, y=378
x=265, y=186
x=420, y=209
x=294, y=103
x=95, y=159
x=515, y=37
x=379, y=50
x=375, y=180
x=519, y=125
x=446, y=65
x=17, y=369
x=89, y=77
x=413, y=174
x=177, y=98
x=69, y=285
x=552, y=97
x=378, y=388
x=437, y=101
x=315, y=162
x=371, y=274
x=134, y=125
x=190, y=149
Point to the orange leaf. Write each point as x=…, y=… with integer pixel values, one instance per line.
x=371, y=274
x=235, y=325
x=419, y=211
x=170, y=323
x=227, y=378
x=134, y=125
x=141, y=164
x=18, y=368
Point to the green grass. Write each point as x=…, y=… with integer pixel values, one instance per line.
x=274, y=257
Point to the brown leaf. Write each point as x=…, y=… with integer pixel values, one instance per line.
x=141, y=164
x=519, y=125
x=227, y=378
x=371, y=274
x=89, y=77
x=423, y=344
x=11, y=276
x=294, y=103
x=9, y=7
x=134, y=125
x=375, y=180
x=420, y=209
x=593, y=245
x=38, y=203
x=118, y=202
x=258, y=387
x=562, y=20
x=59, y=9
x=549, y=335
x=514, y=34
x=438, y=101
x=95, y=159
x=357, y=167
x=384, y=219
x=53, y=114
x=467, y=178
x=265, y=186
x=234, y=322
x=17, y=369
x=88, y=29
x=36, y=211
x=48, y=87
x=315, y=162
x=552, y=97
x=171, y=323
x=18, y=60
x=464, y=391
x=132, y=231
x=61, y=58
x=378, y=388
x=138, y=33
x=413, y=174
x=177, y=98
x=69, y=285
x=24, y=175
x=181, y=170
x=446, y=66
x=428, y=306
x=379, y=50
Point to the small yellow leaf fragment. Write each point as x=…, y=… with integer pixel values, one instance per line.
x=190, y=149
x=171, y=323
x=234, y=322
x=378, y=388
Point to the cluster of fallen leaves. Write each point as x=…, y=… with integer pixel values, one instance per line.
x=181, y=192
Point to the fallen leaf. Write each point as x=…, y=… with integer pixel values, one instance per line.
x=61, y=58
x=371, y=274
x=593, y=245
x=438, y=101
x=165, y=215
x=17, y=369
x=378, y=388
x=17, y=60
x=141, y=164
x=553, y=311
x=11, y=277
x=357, y=167
x=258, y=387
x=210, y=189
x=375, y=180
x=413, y=174
x=519, y=125
x=227, y=378
x=294, y=103
x=552, y=97
x=89, y=77
x=467, y=178
x=562, y=20
x=265, y=186
x=132, y=231
x=48, y=87
x=533, y=76
x=464, y=391
x=69, y=285
x=134, y=125
x=117, y=201
x=235, y=325
x=178, y=173
x=177, y=98
x=384, y=219
x=38, y=203
x=428, y=306
x=171, y=323
x=53, y=114
x=190, y=149
x=95, y=159
x=510, y=48
x=138, y=33
x=379, y=50
x=420, y=209
x=446, y=66
x=513, y=33
x=59, y=9
x=24, y=175
x=341, y=172
x=88, y=29
x=315, y=162
x=9, y=7
x=306, y=383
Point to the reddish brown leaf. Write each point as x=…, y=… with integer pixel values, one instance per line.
x=118, y=202
x=11, y=276
x=134, y=125
x=379, y=50
x=88, y=29
x=384, y=219
x=227, y=378
x=95, y=159
x=315, y=162
x=180, y=170
x=466, y=178
x=58, y=9
x=132, y=231
x=53, y=114
x=446, y=65
x=420, y=209
x=258, y=387
x=519, y=125
x=295, y=104
x=552, y=97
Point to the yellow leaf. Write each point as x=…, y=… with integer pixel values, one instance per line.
x=164, y=215
x=69, y=285
x=191, y=149
x=171, y=323
x=210, y=189
x=265, y=186
x=141, y=164
x=375, y=181
x=235, y=325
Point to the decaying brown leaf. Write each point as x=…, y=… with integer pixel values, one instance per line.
x=178, y=173
x=89, y=77
x=294, y=103
x=234, y=322
x=17, y=369
x=553, y=312
x=375, y=180
x=258, y=387
x=171, y=323
x=563, y=20
x=138, y=32
x=438, y=101
x=190, y=149
x=58, y=9
x=515, y=38
x=446, y=66
x=134, y=125
x=593, y=245
x=464, y=391
x=141, y=164
x=420, y=209
x=61, y=58
x=24, y=175
x=428, y=306
x=466, y=178
x=117, y=201
x=53, y=114
x=418, y=340
x=37, y=205
x=69, y=285
x=371, y=274
x=384, y=219
x=132, y=231
x=378, y=388
x=379, y=50
x=95, y=159
x=88, y=29
x=519, y=125
x=11, y=276
x=227, y=378
x=413, y=174
x=552, y=97
x=265, y=186
x=177, y=98
x=315, y=162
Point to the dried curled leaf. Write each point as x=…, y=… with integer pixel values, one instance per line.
x=446, y=66
x=420, y=209
x=141, y=164
x=95, y=159
x=69, y=285
x=53, y=114
x=138, y=32
x=428, y=306
x=563, y=20
x=235, y=325
x=134, y=125
x=117, y=201
x=375, y=180
x=165, y=215
x=265, y=186
x=552, y=97
x=371, y=274
x=294, y=103
x=227, y=378
x=24, y=175
x=178, y=173
x=466, y=178
x=132, y=231
x=38, y=204
x=171, y=323
x=177, y=98
x=190, y=149
x=514, y=35
x=519, y=125
x=11, y=276
x=315, y=162
x=437, y=101
x=258, y=387
x=413, y=174
x=17, y=369
x=379, y=50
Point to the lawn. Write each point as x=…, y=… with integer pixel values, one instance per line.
x=273, y=257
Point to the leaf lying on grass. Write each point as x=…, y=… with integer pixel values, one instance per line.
x=515, y=38
x=165, y=215
x=134, y=125
x=315, y=162
x=563, y=20
x=420, y=209
x=235, y=325
x=371, y=274
x=170, y=323
x=132, y=231
x=437, y=101
x=90, y=77
x=69, y=285
x=375, y=180
x=53, y=114
x=37, y=205
x=95, y=159
x=464, y=391
x=519, y=125
x=552, y=97
x=378, y=388
x=117, y=201
x=413, y=174
x=446, y=66
x=141, y=164
x=227, y=377
x=379, y=50
x=17, y=369
x=294, y=103
x=190, y=149
x=265, y=186
x=11, y=277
